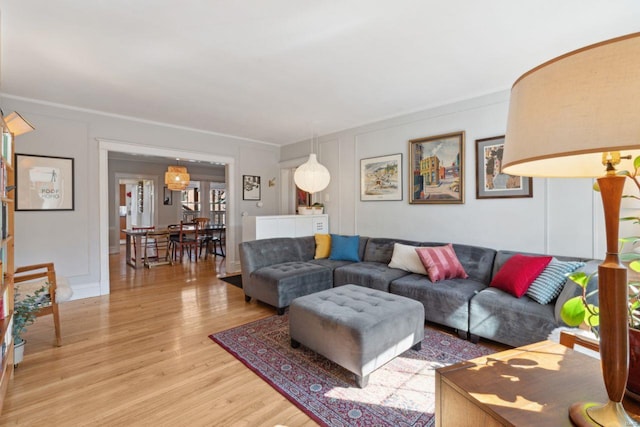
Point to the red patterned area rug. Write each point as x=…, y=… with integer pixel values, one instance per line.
x=401, y=393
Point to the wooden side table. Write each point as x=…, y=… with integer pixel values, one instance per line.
x=532, y=385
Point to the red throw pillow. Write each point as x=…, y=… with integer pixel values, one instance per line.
x=519, y=272
x=441, y=262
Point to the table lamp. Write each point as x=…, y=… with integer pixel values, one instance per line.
x=578, y=115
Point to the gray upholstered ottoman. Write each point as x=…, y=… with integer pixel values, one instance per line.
x=358, y=328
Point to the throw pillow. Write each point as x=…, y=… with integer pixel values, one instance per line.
x=323, y=246
x=548, y=285
x=517, y=274
x=406, y=258
x=441, y=263
x=344, y=248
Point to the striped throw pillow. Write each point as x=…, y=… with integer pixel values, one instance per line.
x=441, y=263
x=549, y=284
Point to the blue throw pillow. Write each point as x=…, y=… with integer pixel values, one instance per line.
x=549, y=284
x=344, y=248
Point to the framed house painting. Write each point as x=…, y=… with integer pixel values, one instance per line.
x=250, y=187
x=44, y=183
x=491, y=183
x=381, y=178
x=436, y=169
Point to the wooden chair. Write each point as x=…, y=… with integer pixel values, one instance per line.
x=205, y=236
x=152, y=247
x=157, y=248
x=572, y=340
x=37, y=275
x=187, y=238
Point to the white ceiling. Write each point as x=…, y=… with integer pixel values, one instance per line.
x=276, y=71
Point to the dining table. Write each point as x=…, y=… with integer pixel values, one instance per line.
x=134, y=240
x=134, y=237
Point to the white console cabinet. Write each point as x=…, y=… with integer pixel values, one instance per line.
x=265, y=227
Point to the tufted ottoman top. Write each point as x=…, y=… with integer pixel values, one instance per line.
x=357, y=306
x=358, y=328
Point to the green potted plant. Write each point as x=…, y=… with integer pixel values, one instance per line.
x=318, y=208
x=24, y=314
x=579, y=310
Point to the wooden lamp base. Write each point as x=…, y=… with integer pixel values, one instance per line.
x=588, y=414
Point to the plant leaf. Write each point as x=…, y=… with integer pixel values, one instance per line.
x=573, y=312
x=581, y=278
x=592, y=316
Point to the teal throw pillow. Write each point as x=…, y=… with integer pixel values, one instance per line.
x=550, y=282
x=344, y=248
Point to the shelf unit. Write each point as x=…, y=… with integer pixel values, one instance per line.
x=7, y=180
x=268, y=226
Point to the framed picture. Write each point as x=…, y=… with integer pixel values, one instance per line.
x=381, y=178
x=44, y=183
x=491, y=183
x=250, y=187
x=436, y=169
x=167, y=197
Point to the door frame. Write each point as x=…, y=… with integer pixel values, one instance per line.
x=107, y=145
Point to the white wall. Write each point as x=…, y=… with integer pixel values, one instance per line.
x=71, y=239
x=563, y=217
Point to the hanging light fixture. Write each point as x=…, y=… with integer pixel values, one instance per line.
x=17, y=124
x=312, y=176
x=176, y=178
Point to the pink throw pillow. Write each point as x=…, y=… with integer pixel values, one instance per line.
x=518, y=273
x=441, y=263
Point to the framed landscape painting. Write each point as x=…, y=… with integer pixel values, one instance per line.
x=436, y=169
x=381, y=178
x=491, y=183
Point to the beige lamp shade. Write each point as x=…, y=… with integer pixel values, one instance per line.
x=17, y=124
x=565, y=113
x=176, y=178
x=312, y=176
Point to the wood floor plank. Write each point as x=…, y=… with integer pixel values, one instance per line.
x=142, y=356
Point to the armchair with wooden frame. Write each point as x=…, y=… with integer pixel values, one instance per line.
x=40, y=274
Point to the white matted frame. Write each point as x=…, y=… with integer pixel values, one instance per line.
x=251, y=187
x=491, y=183
x=381, y=178
x=44, y=183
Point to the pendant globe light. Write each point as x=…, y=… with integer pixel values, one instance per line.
x=312, y=176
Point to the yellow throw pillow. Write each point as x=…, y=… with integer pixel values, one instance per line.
x=323, y=246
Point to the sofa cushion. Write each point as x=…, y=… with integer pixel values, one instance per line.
x=279, y=284
x=441, y=263
x=381, y=249
x=498, y=316
x=406, y=258
x=550, y=282
x=323, y=246
x=445, y=302
x=344, y=248
x=517, y=274
x=374, y=275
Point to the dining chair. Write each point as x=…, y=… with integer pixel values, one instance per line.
x=162, y=246
x=152, y=249
x=186, y=238
x=205, y=235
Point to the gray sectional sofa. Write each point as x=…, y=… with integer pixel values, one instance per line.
x=276, y=271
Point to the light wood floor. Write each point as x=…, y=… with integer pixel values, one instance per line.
x=141, y=356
